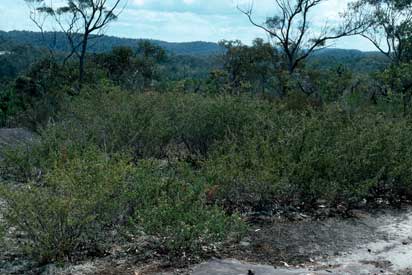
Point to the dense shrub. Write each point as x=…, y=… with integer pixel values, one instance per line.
x=171, y=206
x=189, y=155
x=7, y=103
x=255, y=152
x=68, y=210
x=152, y=124
x=39, y=95
x=85, y=193
x=301, y=158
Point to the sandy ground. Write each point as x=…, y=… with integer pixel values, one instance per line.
x=379, y=243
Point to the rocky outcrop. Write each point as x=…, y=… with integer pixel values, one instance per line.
x=10, y=137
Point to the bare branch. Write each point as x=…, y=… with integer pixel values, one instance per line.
x=391, y=24
x=290, y=29
x=78, y=20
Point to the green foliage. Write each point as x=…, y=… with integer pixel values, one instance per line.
x=70, y=209
x=193, y=156
x=72, y=194
x=389, y=26
x=355, y=61
x=134, y=69
x=37, y=96
x=172, y=207
x=16, y=58
x=204, y=138
x=396, y=87
x=7, y=105
x=152, y=125
x=335, y=82
x=247, y=68
x=103, y=43
x=300, y=158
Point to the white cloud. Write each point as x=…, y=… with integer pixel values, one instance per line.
x=138, y=2
x=187, y=20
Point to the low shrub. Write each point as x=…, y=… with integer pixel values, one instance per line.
x=249, y=154
x=301, y=158
x=69, y=210
x=86, y=193
x=173, y=208
x=151, y=124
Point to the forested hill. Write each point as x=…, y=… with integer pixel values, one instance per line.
x=58, y=42
x=323, y=59
x=356, y=60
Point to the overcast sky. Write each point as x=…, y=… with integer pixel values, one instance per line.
x=188, y=20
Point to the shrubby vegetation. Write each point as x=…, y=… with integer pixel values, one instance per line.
x=73, y=195
x=183, y=166
x=302, y=158
x=171, y=164
x=71, y=208
x=179, y=148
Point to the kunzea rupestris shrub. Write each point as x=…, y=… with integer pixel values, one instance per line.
x=71, y=208
x=249, y=153
x=301, y=158
x=171, y=205
x=85, y=194
x=151, y=124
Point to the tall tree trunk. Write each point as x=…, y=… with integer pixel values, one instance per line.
x=82, y=59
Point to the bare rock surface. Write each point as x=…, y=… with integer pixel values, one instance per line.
x=14, y=136
x=388, y=252
x=234, y=267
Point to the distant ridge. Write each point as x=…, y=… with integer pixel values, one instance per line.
x=328, y=58
x=106, y=43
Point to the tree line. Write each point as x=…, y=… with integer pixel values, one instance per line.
x=283, y=66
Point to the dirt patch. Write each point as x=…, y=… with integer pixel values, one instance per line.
x=405, y=272
x=374, y=241
x=280, y=241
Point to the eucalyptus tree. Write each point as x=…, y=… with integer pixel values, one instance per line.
x=293, y=32
x=254, y=65
x=391, y=34
x=391, y=26
x=80, y=20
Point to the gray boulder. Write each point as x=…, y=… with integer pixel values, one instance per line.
x=10, y=137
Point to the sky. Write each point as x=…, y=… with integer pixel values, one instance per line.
x=189, y=20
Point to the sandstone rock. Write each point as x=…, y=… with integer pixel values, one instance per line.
x=14, y=137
